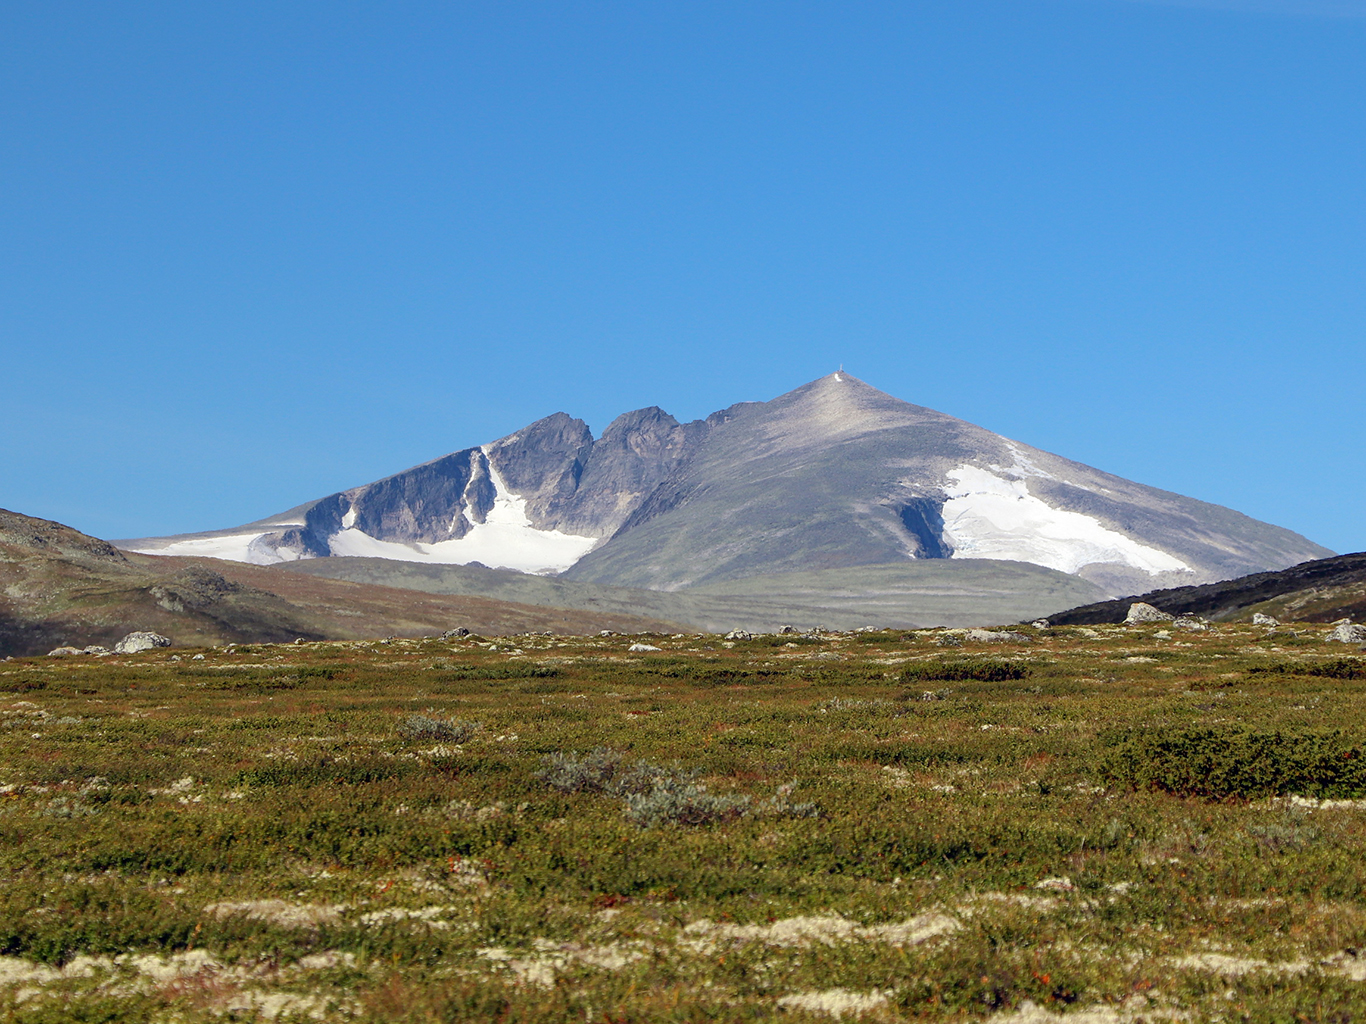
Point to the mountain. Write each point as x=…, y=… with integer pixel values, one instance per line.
x=833, y=475
x=1324, y=590
x=61, y=587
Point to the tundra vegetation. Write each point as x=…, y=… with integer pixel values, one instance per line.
x=1109, y=825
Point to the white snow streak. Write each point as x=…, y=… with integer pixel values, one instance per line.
x=989, y=515
x=505, y=539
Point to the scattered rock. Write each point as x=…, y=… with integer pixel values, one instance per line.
x=1041, y=624
x=607, y=632
x=988, y=636
x=1163, y=634
x=97, y=651
x=1258, y=619
x=828, y=656
x=137, y=642
x=642, y=648
x=175, y=657
x=198, y=657
x=787, y=630
x=461, y=631
x=1193, y=623
x=740, y=634
x=1141, y=611
x=1344, y=631
x=64, y=652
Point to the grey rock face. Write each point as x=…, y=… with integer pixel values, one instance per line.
x=1344, y=631
x=837, y=473
x=1139, y=613
x=137, y=642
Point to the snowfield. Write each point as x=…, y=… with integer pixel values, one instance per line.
x=989, y=515
x=237, y=547
x=504, y=540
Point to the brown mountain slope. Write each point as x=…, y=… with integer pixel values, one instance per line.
x=1324, y=590
x=59, y=587
x=346, y=610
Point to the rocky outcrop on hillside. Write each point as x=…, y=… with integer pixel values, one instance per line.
x=1322, y=590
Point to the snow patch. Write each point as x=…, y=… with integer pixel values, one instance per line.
x=505, y=539
x=237, y=547
x=991, y=514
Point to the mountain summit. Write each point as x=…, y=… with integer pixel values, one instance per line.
x=834, y=474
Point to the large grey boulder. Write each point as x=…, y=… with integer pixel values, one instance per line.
x=1141, y=612
x=137, y=642
x=1258, y=619
x=1344, y=631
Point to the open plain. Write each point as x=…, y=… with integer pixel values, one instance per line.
x=1099, y=825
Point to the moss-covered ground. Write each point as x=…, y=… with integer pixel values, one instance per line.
x=1111, y=824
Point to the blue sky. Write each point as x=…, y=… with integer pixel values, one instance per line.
x=258, y=252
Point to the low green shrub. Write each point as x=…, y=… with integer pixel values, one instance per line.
x=1233, y=762
x=442, y=730
x=514, y=670
x=985, y=670
x=1338, y=668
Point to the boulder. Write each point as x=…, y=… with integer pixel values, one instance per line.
x=988, y=636
x=1041, y=624
x=1258, y=619
x=740, y=634
x=97, y=651
x=1344, y=631
x=64, y=652
x=642, y=648
x=136, y=642
x=1141, y=612
x=787, y=630
x=1191, y=622
x=455, y=634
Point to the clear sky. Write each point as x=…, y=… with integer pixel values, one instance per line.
x=254, y=253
